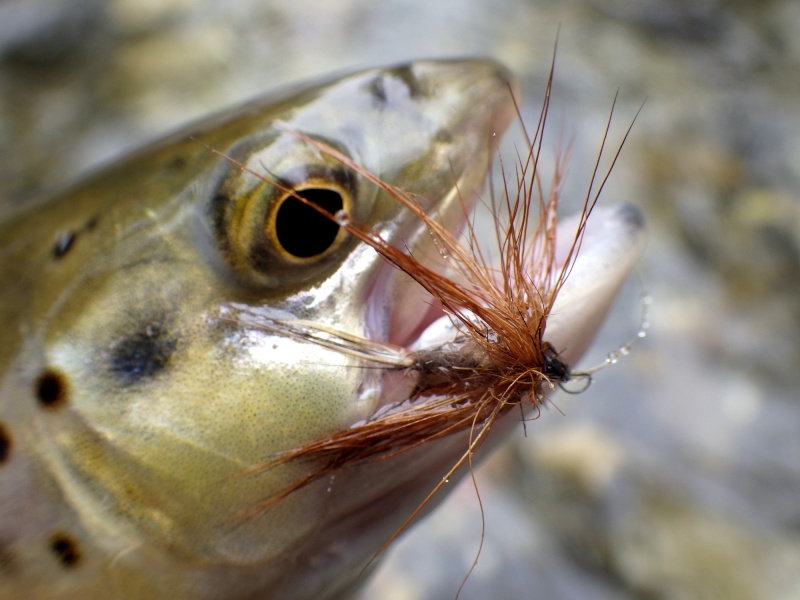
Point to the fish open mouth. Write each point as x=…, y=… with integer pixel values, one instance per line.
x=486, y=332
x=460, y=334
x=568, y=310
x=540, y=295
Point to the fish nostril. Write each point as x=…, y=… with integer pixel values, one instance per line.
x=377, y=90
x=63, y=244
x=66, y=240
x=51, y=388
x=408, y=76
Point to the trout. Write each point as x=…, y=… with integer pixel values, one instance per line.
x=235, y=364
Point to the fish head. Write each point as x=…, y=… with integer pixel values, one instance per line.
x=141, y=390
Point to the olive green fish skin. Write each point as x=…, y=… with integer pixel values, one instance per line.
x=136, y=385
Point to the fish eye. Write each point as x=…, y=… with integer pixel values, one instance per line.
x=299, y=229
x=284, y=227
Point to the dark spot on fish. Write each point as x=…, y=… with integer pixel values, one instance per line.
x=63, y=244
x=377, y=90
x=630, y=215
x=143, y=353
x=380, y=89
x=177, y=164
x=65, y=549
x=443, y=136
x=66, y=241
x=405, y=73
x=218, y=212
x=8, y=560
x=51, y=388
x=5, y=444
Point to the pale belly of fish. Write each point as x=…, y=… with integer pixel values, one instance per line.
x=202, y=376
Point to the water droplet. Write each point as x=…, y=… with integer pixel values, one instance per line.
x=613, y=358
x=342, y=218
x=625, y=350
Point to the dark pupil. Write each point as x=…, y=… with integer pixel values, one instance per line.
x=301, y=230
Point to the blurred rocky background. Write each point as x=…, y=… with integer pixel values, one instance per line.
x=677, y=474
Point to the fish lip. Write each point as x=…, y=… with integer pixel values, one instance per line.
x=613, y=242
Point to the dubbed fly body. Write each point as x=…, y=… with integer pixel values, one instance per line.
x=236, y=363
